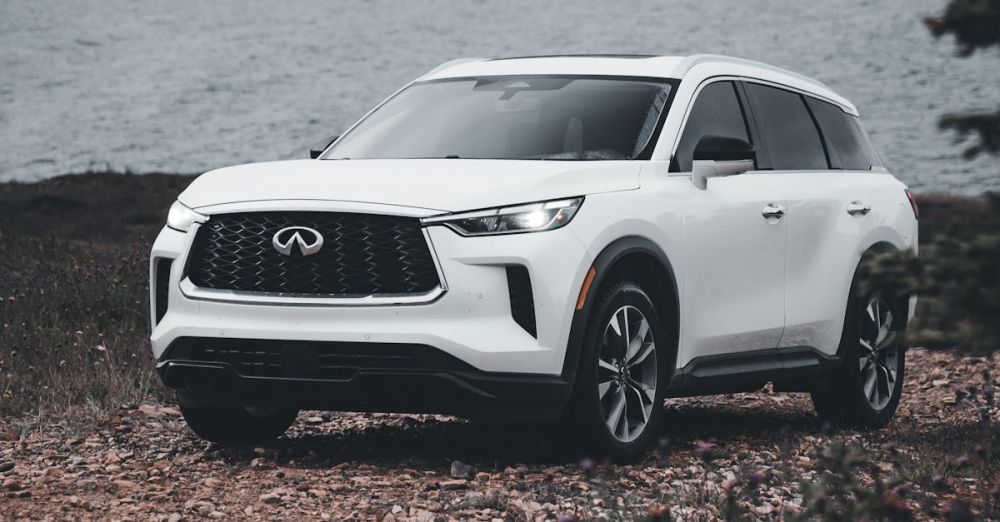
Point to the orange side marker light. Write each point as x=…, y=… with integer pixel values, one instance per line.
x=587, y=281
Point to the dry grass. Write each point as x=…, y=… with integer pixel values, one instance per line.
x=74, y=325
x=74, y=320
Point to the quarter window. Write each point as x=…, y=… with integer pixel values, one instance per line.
x=787, y=129
x=716, y=112
x=848, y=145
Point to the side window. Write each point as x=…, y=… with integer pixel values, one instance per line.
x=716, y=112
x=848, y=145
x=787, y=129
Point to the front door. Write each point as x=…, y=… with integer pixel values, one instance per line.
x=734, y=242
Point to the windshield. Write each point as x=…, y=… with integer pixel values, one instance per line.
x=513, y=117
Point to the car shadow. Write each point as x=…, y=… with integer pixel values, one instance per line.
x=425, y=442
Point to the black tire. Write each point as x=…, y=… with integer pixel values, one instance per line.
x=843, y=399
x=588, y=410
x=230, y=424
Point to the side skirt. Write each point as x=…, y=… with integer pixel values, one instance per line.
x=793, y=369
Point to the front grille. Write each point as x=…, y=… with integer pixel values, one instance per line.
x=361, y=255
x=308, y=359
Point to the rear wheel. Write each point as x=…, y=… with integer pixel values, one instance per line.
x=229, y=424
x=618, y=398
x=865, y=391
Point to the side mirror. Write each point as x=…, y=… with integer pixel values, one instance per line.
x=320, y=146
x=717, y=156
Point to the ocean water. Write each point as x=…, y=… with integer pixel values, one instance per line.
x=187, y=86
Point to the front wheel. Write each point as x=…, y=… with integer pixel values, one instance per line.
x=618, y=397
x=865, y=391
x=232, y=424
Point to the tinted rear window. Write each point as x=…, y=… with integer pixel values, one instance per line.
x=787, y=129
x=848, y=145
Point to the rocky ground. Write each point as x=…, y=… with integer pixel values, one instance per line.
x=746, y=455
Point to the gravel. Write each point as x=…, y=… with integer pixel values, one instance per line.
x=143, y=462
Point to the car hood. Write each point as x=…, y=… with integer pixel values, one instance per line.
x=445, y=185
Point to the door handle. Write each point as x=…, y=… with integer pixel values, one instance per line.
x=858, y=208
x=772, y=211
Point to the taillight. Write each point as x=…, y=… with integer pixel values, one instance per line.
x=913, y=204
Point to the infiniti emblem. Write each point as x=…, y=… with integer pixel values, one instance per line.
x=308, y=240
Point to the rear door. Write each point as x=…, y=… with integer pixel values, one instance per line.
x=831, y=205
x=734, y=256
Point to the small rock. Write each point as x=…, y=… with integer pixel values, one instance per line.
x=212, y=482
x=150, y=409
x=454, y=484
x=461, y=470
x=204, y=508
x=270, y=498
x=175, y=517
x=6, y=466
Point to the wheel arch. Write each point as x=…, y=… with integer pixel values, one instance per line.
x=638, y=259
x=881, y=246
x=877, y=247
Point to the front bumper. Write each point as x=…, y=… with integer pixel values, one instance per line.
x=354, y=377
x=471, y=320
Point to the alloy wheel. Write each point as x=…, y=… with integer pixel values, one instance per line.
x=627, y=373
x=878, y=357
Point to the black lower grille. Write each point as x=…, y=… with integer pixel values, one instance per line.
x=361, y=255
x=522, y=300
x=161, y=287
x=308, y=359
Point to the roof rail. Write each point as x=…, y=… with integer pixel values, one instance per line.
x=451, y=63
x=697, y=59
x=581, y=55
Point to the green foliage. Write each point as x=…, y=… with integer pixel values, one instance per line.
x=986, y=125
x=975, y=24
x=841, y=494
x=959, y=283
x=959, y=271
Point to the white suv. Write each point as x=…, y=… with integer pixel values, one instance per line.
x=553, y=237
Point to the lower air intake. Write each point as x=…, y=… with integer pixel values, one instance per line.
x=522, y=301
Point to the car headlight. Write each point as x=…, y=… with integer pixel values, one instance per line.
x=181, y=218
x=532, y=217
